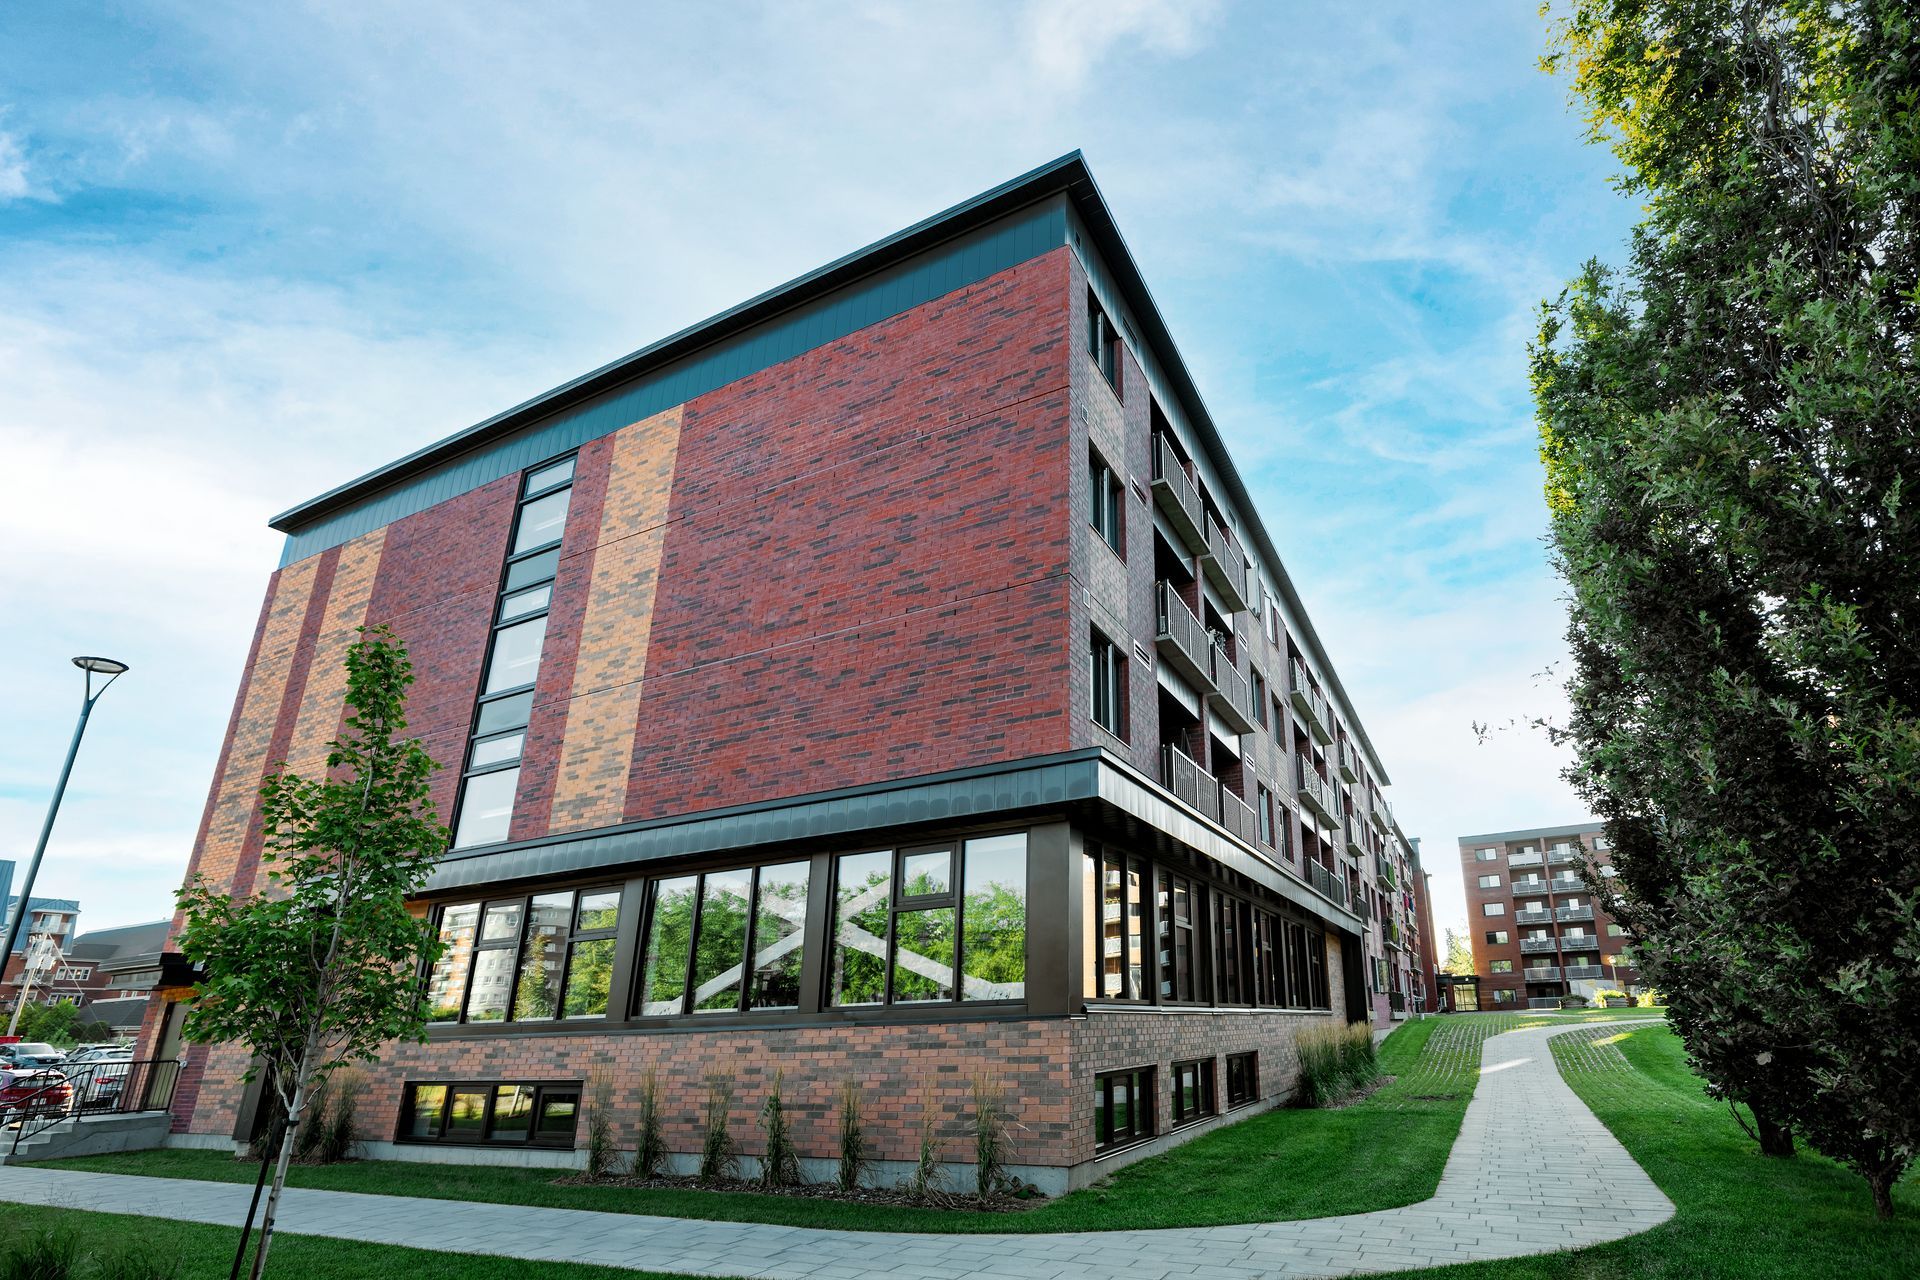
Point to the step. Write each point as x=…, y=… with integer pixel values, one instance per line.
x=88, y=1136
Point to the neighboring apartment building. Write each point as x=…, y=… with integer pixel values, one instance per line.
x=1538, y=933
x=887, y=680
x=50, y=924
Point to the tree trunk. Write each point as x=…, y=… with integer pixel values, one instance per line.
x=1881, y=1180
x=1776, y=1139
x=288, y=1134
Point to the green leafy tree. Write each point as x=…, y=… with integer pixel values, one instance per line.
x=1459, y=954
x=1729, y=429
x=322, y=967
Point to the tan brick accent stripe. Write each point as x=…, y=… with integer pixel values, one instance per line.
x=326, y=689
x=238, y=790
x=596, y=753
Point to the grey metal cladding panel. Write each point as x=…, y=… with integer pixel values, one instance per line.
x=887, y=293
x=847, y=815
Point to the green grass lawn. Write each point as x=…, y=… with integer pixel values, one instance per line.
x=205, y=1253
x=1740, y=1215
x=1386, y=1151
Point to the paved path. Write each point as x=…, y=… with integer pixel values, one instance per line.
x=1533, y=1171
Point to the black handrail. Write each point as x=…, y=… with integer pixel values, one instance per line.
x=108, y=1087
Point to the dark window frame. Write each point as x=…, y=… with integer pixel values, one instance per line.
x=1143, y=1125
x=490, y=1087
x=1103, y=341
x=575, y=935
x=1106, y=503
x=1107, y=683
x=545, y=575
x=1202, y=1070
x=1243, y=1079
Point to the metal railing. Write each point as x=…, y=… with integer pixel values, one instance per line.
x=1326, y=883
x=1542, y=973
x=1233, y=692
x=1315, y=790
x=1356, y=836
x=1188, y=781
x=1563, y=857
x=1542, y=916
x=1174, y=492
x=1349, y=762
x=1567, y=884
x=1524, y=887
x=1236, y=815
x=1397, y=1001
x=1534, y=946
x=1585, y=971
x=1573, y=913
x=1180, y=638
x=1580, y=942
x=1225, y=565
x=1531, y=858
x=91, y=1088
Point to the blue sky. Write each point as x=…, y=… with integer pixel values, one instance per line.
x=247, y=252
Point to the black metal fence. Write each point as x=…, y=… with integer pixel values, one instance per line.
x=45, y=1096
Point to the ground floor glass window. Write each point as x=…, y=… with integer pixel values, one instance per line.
x=1122, y=1108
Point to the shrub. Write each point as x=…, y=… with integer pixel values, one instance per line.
x=924, y=1181
x=46, y=1254
x=989, y=1135
x=1334, y=1061
x=717, y=1155
x=853, y=1140
x=780, y=1165
x=313, y=1122
x=337, y=1137
x=603, y=1157
x=650, y=1150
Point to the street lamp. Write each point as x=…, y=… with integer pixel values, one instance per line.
x=92, y=667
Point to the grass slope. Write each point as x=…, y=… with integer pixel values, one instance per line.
x=1740, y=1215
x=1378, y=1154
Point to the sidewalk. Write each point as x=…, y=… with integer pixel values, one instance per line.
x=1570, y=1184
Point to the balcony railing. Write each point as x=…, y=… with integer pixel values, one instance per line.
x=1563, y=857
x=1232, y=695
x=1181, y=640
x=1308, y=701
x=1533, y=917
x=1531, y=858
x=1585, y=971
x=1579, y=942
x=1236, y=815
x=1396, y=936
x=1521, y=888
x=1188, y=781
x=1387, y=876
x=1568, y=884
x=1397, y=1001
x=1178, y=500
x=1533, y=946
x=1542, y=973
x=1573, y=913
x=1225, y=565
x=1349, y=762
x=1327, y=884
x=1314, y=791
x=1381, y=812
x=1543, y=1002
x=1356, y=837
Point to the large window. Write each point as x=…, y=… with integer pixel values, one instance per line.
x=1178, y=927
x=484, y=814
x=1493, y=908
x=1106, y=497
x=725, y=941
x=490, y=1112
x=934, y=924
x=1497, y=937
x=1106, y=668
x=1103, y=342
x=1122, y=1108
x=1192, y=1090
x=525, y=959
x=1118, y=932
x=1490, y=882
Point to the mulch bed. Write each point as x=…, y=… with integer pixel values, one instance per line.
x=819, y=1191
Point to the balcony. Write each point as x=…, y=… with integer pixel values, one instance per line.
x=1537, y=887
x=1189, y=782
x=1381, y=812
x=1397, y=1001
x=1308, y=701
x=1568, y=884
x=1232, y=696
x=1178, y=500
x=1314, y=791
x=1225, y=565
x=1573, y=913
x=1326, y=884
x=1396, y=936
x=1531, y=858
x=1533, y=917
x=1585, y=971
x=1387, y=876
x=1349, y=762
x=1543, y=1002
x=1579, y=942
x=1236, y=815
x=1564, y=857
x=1180, y=639
x=1356, y=838
x=1534, y=946
x=1542, y=973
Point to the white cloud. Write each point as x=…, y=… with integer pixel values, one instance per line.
x=14, y=181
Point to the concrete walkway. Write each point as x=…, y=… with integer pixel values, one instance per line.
x=1533, y=1171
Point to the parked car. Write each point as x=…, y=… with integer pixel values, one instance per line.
x=80, y=1057
x=28, y=1092
x=99, y=1084
x=31, y=1054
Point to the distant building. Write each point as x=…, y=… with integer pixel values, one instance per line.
x=1538, y=933
x=50, y=921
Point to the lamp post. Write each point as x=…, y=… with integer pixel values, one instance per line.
x=92, y=667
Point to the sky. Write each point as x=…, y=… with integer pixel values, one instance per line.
x=248, y=252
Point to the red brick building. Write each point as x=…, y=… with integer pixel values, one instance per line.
x=1539, y=932
x=887, y=681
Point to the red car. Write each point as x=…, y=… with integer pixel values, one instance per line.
x=32, y=1091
